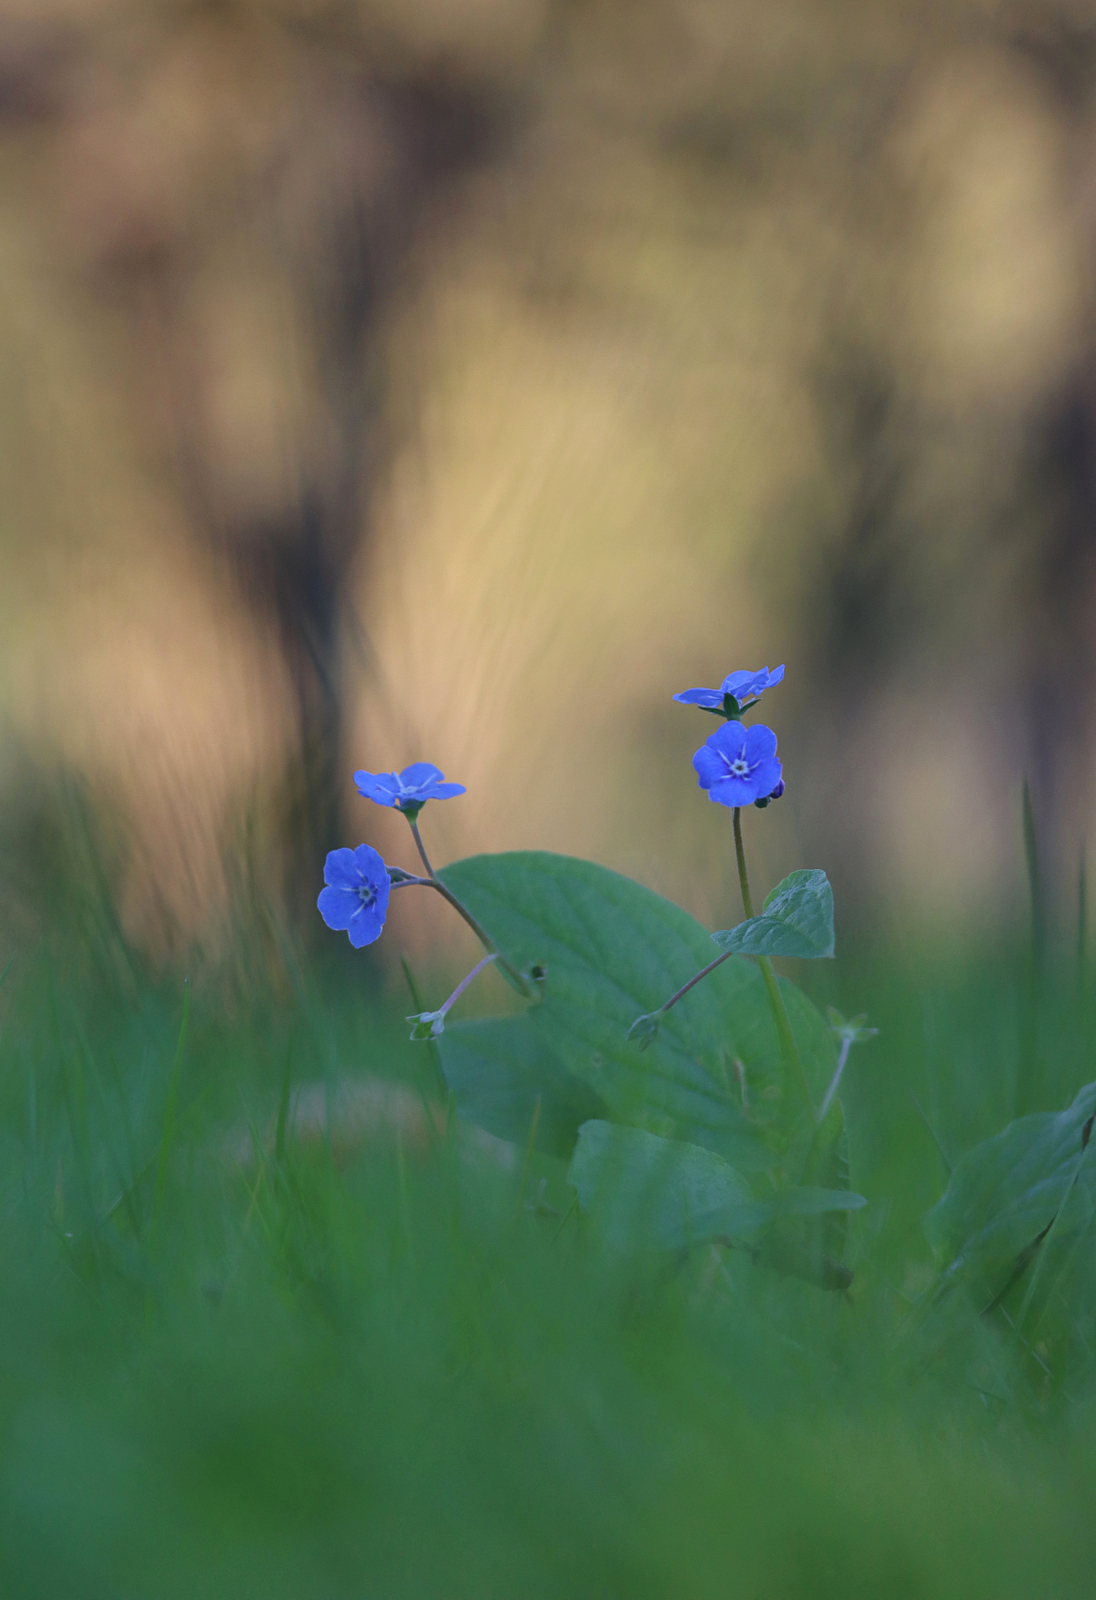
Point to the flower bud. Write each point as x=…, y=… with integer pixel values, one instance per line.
x=645, y=1028
x=427, y=1024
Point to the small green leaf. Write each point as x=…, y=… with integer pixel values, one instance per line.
x=797, y=920
x=647, y=1192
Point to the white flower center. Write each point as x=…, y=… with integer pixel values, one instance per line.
x=366, y=894
x=741, y=767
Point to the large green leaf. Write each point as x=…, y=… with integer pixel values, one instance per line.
x=796, y=920
x=613, y=949
x=1005, y=1192
x=506, y=1078
x=647, y=1192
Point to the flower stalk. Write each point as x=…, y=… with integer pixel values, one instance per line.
x=401, y=880
x=850, y=1032
x=419, y=846
x=793, y=1063
x=835, y=1081
x=646, y=1028
x=429, y=1024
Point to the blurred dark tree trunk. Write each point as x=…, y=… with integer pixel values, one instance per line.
x=308, y=170
x=295, y=569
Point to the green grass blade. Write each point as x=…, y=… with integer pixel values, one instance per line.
x=167, y=1136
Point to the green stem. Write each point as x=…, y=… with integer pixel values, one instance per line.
x=788, y=1047
x=695, y=979
x=740, y=854
x=417, y=836
x=463, y=984
x=435, y=1054
x=432, y=881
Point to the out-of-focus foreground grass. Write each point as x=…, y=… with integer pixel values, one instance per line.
x=268, y=1331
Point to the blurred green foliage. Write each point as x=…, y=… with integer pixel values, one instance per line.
x=246, y=1353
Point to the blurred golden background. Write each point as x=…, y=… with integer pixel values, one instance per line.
x=457, y=379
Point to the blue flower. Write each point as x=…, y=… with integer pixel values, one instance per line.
x=408, y=790
x=738, y=765
x=742, y=685
x=355, y=901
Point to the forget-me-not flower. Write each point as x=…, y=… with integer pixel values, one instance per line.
x=737, y=765
x=408, y=790
x=745, y=684
x=355, y=901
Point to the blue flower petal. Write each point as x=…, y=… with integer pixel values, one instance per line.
x=373, y=871
x=729, y=740
x=338, y=907
x=341, y=869
x=713, y=760
x=419, y=775
x=712, y=699
x=746, y=684
x=710, y=767
x=382, y=788
x=733, y=791
x=765, y=777
x=366, y=927
x=446, y=791
x=760, y=743
x=370, y=864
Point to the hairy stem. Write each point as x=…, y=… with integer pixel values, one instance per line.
x=434, y=882
x=740, y=856
x=835, y=1081
x=462, y=911
x=695, y=979
x=420, y=847
x=463, y=984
